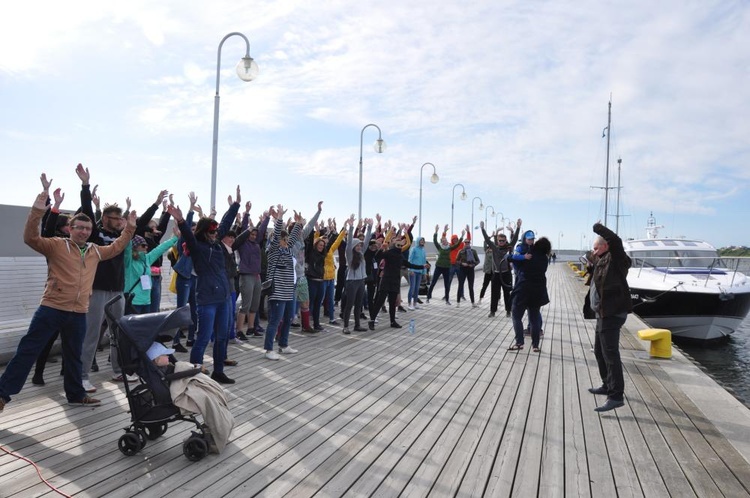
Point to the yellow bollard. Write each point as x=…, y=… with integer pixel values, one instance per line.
x=661, y=342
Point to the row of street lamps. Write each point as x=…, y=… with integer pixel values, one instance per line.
x=247, y=70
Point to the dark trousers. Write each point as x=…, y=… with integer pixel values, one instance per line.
x=317, y=291
x=380, y=300
x=45, y=322
x=354, y=294
x=446, y=273
x=501, y=282
x=607, y=352
x=466, y=275
x=485, y=284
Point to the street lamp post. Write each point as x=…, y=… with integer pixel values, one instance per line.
x=486, y=211
x=247, y=70
x=559, y=235
x=379, y=148
x=453, y=195
x=434, y=179
x=481, y=207
x=502, y=219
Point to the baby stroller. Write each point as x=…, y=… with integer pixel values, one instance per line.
x=150, y=402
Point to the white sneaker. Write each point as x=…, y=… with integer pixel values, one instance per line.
x=458, y=304
x=411, y=307
x=88, y=386
x=473, y=305
x=288, y=350
x=416, y=306
x=236, y=340
x=133, y=378
x=272, y=355
x=480, y=300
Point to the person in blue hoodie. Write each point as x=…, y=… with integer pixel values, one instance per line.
x=530, y=290
x=212, y=294
x=417, y=256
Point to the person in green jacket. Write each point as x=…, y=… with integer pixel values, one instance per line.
x=138, y=260
x=443, y=264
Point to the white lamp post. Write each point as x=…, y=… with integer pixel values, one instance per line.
x=453, y=195
x=247, y=70
x=434, y=179
x=481, y=206
x=379, y=148
x=486, y=212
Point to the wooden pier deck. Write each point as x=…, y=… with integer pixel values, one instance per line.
x=446, y=411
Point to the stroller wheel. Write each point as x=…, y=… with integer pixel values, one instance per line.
x=129, y=443
x=141, y=433
x=194, y=448
x=154, y=431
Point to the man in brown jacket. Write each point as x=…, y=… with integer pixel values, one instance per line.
x=71, y=267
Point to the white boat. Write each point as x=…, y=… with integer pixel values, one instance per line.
x=683, y=285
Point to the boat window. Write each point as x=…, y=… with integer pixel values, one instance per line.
x=676, y=259
x=690, y=244
x=670, y=243
x=650, y=243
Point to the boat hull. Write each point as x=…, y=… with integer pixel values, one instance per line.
x=692, y=315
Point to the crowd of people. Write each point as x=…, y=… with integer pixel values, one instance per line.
x=233, y=272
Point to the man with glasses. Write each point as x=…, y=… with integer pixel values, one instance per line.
x=110, y=275
x=502, y=276
x=71, y=265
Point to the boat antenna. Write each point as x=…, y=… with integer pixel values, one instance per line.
x=606, y=177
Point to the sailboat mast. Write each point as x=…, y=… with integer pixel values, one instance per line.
x=617, y=223
x=606, y=178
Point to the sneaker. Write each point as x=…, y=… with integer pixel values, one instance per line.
x=88, y=386
x=236, y=340
x=272, y=355
x=288, y=350
x=179, y=348
x=189, y=343
x=346, y=331
x=480, y=300
x=295, y=325
x=221, y=378
x=230, y=363
x=507, y=313
x=447, y=301
x=395, y=325
x=402, y=309
x=491, y=315
x=119, y=378
x=86, y=401
x=411, y=307
x=333, y=322
x=371, y=324
x=310, y=331
x=419, y=301
x=458, y=304
x=428, y=300
x=318, y=328
x=360, y=329
x=473, y=305
x=37, y=380
x=260, y=329
x=94, y=366
x=241, y=335
x=258, y=333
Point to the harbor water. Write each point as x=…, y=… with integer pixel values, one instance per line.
x=727, y=362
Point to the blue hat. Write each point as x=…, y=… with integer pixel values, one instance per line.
x=157, y=349
x=529, y=234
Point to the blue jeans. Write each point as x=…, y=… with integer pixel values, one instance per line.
x=186, y=295
x=415, y=278
x=316, y=298
x=155, y=293
x=45, y=322
x=329, y=286
x=279, y=312
x=213, y=319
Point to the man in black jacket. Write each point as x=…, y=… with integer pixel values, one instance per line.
x=610, y=300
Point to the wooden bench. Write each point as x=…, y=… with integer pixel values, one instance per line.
x=22, y=282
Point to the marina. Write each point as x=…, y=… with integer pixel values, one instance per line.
x=446, y=411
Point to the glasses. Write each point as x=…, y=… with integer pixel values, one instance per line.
x=502, y=240
x=80, y=228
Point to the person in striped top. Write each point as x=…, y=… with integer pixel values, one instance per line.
x=282, y=272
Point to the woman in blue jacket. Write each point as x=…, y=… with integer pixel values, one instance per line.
x=212, y=293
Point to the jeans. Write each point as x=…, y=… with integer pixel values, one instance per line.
x=155, y=293
x=186, y=295
x=45, y=322
x=415, y=278
x=535, y=323
x=279, y=312
x=213, y=319
x=329, y=286
x=607, y=352
x=316, y=298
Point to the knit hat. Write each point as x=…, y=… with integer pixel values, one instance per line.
x=138, y=240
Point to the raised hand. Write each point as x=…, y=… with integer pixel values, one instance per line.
x=239, y=197
x=59, y=196
x=248, y=205
x=212, y=214
x=193, y=199
x=45, y=183
x=171, y=199
x=198, y=209
x=132, y=217
x=446, y=228
x=481, y=225
x=127, y=204
x=41, y=200
x=320, y=205
x=176, y=213
x=437, y=228
x=160, y=197
x=83, y=174
x=164, y=205
x=377, y=217
x=414, y=220
x=95, y=198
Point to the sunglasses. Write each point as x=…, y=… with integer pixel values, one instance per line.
x=211, y=232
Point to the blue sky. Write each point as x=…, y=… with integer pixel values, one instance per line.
x=507, y=98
